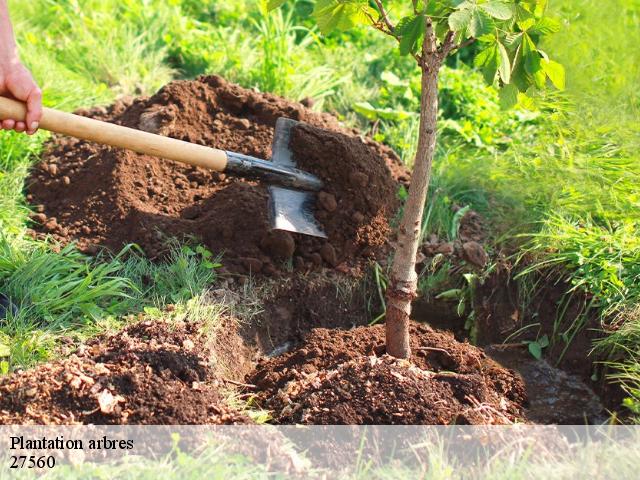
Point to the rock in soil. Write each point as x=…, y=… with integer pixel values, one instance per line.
x=111, y=197
x=344, y=377
x=149, y=373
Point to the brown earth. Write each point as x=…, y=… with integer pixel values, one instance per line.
x=499, y=315
x=149, y=373
x=344, y=377
x=102, y=196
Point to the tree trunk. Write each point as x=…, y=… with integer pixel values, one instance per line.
x=403, y=282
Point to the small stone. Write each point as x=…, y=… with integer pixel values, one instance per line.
x=86, y=230
x=316, y=259
x=51, y=224
x=329, y=255
x=357, y=218
x=474, y=253
x=359, y=179
x=279, y=244
x=445, y=249
x=31, y=392
x=253, y=265
x=66, y=180
x=39, y=217
x=308, y=102
x=244, y=123
x=53, y=169
x=188, y=344
x=191, y=212
x=39, y=208
x=327, y=201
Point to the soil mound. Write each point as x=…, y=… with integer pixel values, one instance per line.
x=149, y=373
x=344, y=377
x=101, y=196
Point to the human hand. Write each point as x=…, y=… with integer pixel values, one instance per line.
x=16, y=82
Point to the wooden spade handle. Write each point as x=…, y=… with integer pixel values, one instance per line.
x=118, y=136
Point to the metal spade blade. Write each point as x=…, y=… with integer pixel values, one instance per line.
x=290, y=210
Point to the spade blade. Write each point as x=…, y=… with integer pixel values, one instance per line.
x=290, y=210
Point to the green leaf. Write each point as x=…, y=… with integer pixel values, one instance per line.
x=555, y=72
x=508, y=96
x=498, y=9
x=411, y=30
x=5, y=351
x=481, y=23
x=535, y=350
x=543, y=341
x=532, y=59
x=505, y=64
x=488, y=61
x=460, y=19
x=545, y=26
x=273, y=4
x=339, y=14
x=450, y=294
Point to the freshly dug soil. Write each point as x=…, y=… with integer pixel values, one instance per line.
x=149, y=373
x=358, y=198
x=297, y=305
x=344, y=377
x=101, y=196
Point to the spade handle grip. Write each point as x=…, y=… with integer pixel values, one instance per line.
x=119, y=136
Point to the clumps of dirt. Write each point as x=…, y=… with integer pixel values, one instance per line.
x=467, y=246
x=344, y=377
x=149, y=373
x=104, y=197
x=359, y=195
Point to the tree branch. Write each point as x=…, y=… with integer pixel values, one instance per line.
x=384, y=15
x=447, y=45
x=466, y=43
x=385, y=26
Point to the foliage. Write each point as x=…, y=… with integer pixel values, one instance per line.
x=508, y=32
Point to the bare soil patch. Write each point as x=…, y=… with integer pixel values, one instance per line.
x=104, y=197
x=344, y=377
x=149, y=373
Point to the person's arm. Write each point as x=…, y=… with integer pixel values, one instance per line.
x=15, y=80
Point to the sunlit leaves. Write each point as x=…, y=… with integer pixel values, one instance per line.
x=555, y=72
x=460, y=19
x=488, y=61
x=497, y=9
x=473, y=19
x=505, y=64
x=342, y=14
x=410, y=30
x=507, y=32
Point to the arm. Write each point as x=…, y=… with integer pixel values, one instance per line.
x=15, y=80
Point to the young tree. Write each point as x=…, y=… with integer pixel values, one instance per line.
x=506, y=33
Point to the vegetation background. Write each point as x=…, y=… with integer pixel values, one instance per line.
x=556, y=177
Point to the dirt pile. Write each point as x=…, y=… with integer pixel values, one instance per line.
x=101, y=196
x=343, y=377
x=149, y=373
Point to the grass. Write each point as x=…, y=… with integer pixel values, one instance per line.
x=62, y=294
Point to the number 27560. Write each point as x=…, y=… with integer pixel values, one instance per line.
x=24, y=461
